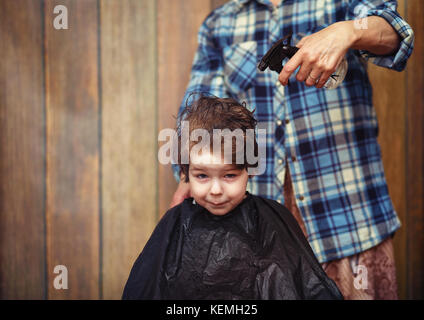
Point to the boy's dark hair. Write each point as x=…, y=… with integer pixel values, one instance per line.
x=209, y=113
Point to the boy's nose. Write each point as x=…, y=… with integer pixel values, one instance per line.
x=216, y=188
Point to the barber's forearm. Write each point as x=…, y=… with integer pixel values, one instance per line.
x=375, y=35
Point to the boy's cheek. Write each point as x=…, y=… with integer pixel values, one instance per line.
x=197, y=190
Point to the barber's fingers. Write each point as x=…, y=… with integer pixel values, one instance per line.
x=313, y=77
x=328, y=70
x=289, y=68
x=323, y=79
x=304, y=71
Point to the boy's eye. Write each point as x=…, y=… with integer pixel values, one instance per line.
x=230, y=175
x=201, y=176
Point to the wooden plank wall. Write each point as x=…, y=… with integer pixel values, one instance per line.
x=22, y=151
x=415, y=157
x=72, y=155
x=80, y=110
x=129, y=113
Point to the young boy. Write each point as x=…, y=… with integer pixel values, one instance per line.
x=223, y=242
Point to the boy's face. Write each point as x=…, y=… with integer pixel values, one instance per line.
x=216, y=186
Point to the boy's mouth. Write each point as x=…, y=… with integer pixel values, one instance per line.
x=220, y=204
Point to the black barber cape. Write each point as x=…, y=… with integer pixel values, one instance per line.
x=256, y=251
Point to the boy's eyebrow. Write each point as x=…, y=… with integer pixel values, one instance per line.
x=198, y=167
x=195, y=168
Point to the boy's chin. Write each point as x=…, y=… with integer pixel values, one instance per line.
x=220, y=211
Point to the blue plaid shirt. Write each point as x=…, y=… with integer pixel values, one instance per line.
x=328, y=137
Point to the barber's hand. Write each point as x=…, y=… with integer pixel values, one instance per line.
x=320, y=54
x=182, y=192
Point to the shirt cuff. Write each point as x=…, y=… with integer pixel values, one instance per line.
x=396, y=61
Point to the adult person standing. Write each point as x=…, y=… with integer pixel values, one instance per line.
x=323, y=159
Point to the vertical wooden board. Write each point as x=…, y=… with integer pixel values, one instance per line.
x=129, y=140
x=414, y=155
x=72, y=149
x=22, y=241
x=178, y=23
x=389, y=101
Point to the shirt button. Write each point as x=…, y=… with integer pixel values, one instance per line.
x=287, y=121
x=279, y=201
x=279, y=122
x=301, y=198
x=294, y=158
x=280, y=161
x=278, y=83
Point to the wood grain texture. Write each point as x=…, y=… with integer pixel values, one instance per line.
x=129, y=155
x=389, y=100
x=178, y=23
x=73, y=149
x=415, y=155
x=217, y=3
x=22, y=238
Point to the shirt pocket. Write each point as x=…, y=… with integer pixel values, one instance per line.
x=240, y=63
